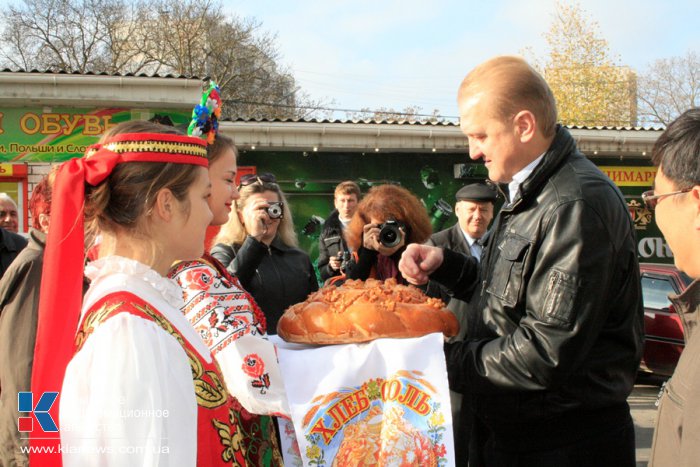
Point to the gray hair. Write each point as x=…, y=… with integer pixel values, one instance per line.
x=6, y=197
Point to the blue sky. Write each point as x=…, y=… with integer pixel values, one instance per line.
x=386, y=53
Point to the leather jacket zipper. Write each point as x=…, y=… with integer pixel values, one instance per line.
x=552, y=284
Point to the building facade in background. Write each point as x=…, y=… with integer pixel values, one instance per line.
x=47, y=118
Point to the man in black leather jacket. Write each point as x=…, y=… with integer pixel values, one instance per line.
x=555, y=349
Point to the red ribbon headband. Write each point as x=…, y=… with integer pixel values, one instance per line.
x=60, y=299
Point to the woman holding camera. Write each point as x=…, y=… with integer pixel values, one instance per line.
x=259, y=246
x=388, y=218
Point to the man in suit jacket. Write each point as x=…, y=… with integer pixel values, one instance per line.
x=474, y=210
x=10, y=246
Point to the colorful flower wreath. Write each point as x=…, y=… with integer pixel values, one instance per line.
x=205, y=116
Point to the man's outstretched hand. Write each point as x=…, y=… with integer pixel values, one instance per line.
x=419, y=261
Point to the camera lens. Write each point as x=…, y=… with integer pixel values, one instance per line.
x=274, y=210
x=389, y=234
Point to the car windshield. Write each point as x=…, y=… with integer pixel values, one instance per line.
x=655, y=291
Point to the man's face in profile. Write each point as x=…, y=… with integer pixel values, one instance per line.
x=491, y=139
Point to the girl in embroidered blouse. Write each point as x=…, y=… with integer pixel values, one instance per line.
x=141, y=387
x=222, y=312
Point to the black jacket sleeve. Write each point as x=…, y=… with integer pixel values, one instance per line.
x=328, y=246
x=313, y=283
x=458, y=273
x=362, y=268
x=224, y=253
x=245, y=261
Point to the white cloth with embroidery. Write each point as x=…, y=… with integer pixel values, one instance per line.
x=384, y=402
x=128, y=397
x=224, y=316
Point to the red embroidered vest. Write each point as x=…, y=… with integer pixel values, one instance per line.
x=219, y=441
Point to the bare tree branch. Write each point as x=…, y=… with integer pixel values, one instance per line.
x=186, y=37
x=669, y=87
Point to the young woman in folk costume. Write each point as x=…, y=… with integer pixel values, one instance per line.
x=222, y=312
x=140, y=386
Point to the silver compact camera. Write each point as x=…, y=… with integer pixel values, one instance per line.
x=275, y=210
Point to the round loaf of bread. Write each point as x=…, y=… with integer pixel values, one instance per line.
x=360, y=311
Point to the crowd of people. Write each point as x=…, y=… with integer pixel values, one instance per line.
x=548, y=297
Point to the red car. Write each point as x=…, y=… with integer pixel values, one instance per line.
x=663, y=330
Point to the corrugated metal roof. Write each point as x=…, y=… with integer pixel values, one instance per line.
x=418, y=123
x=325, y=120
x=98, y=73
x=628, y=128
x=308, y=120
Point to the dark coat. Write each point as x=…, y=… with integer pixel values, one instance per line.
x=10, y=246
x=330, y=243
x=451, y=238
x=19, y=303
x=277, y=276
x=560, y=330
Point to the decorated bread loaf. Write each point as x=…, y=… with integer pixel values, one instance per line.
x=360, y=311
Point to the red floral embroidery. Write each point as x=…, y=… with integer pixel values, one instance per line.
x=253, y=365
x=198, y=279
x=204, y=333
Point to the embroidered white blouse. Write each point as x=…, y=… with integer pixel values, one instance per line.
x=128, y=397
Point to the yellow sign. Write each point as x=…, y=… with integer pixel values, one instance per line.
x=630, y=176
x=6, y=170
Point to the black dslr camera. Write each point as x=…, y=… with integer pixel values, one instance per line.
x=344, y=257
x=274, y=210
x=390, y=233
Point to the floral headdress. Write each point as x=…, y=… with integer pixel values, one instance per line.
x=205, y=116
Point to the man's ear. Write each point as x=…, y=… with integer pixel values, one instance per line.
x=695, y=198
x=165, y=205
x=526, y=125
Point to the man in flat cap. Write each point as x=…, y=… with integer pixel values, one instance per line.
x=474, y=209
x=474, y=205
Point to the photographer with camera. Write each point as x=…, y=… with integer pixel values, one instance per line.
x=259, y=246
x=387, y=219
x=333, y=252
